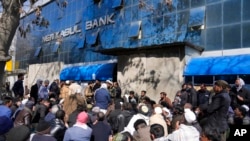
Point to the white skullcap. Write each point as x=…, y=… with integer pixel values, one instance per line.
x=24, y=101
x=158, y=110
x=168, y=111
x=104, y=86
x=67, y=82
x=189, y=116
x=110, y=82
x=54, y=109
x=246, y=107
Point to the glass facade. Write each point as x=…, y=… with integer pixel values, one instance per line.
x=211, y=24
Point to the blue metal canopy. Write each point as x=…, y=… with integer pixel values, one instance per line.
x=223, y=65
x=88, y=72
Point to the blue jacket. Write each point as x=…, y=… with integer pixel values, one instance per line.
x=77, y=133
x=102, y=98
x=5, y=111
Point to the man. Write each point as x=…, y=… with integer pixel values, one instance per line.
x=203, y=95
x=132, y=98
x=43, y=92
x=18, y=88
x=88, y=92
x=184, y=129
x=80, y=131
x=218, y=109
x=41, y=110
x=102, y=98
x=74, y=87
x=5, y=108
x=192, y=95
x=54, y=88
x=5, y=117
x=241, y=94
x=101, y=130
x=24, y=117
x=111, y=88
x=141, y=130
x=96, y=85
x=42, y=132
x=157, y=118
x=34, y=89
x=118, y=90
x=164, y=98
x=157, y=132
x=142, y=114
x=143, y=96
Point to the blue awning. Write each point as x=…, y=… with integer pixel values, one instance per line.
x=88, y=72
x=224, y=65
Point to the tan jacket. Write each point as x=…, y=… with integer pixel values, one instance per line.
x=71, y=102
x=158, y=119
x=64, y=91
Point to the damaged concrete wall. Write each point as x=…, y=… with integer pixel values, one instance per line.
x=44, y=71
x=154, y=72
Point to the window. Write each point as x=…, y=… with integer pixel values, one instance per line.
x=207, y=79
x=81, y=43
x=55, y=48
x=92, y=38
x=197, y=18
x=117, y=3
x=37, y=52
x=229, y=78
x=135, y=30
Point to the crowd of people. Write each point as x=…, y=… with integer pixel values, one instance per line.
x=64, y=111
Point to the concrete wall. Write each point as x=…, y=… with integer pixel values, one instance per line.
x=48, y=71
x=157, y=72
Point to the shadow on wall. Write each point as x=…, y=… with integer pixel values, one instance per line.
x=153, y=74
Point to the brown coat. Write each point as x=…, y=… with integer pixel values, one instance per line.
x=64, y=91
x=24, y=117
x=71, y=102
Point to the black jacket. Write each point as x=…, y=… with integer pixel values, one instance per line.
x=217, y=111
x=18, y=88
x=243, y=92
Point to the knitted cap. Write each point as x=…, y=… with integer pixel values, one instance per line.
x=82, y=117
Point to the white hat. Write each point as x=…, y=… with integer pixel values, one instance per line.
x=189, y=116
x=158, y=110
x=168, y=111
x=246, y=107
x=110, y=82
x=104, y=86
x=67, y=82
x=24, y=101
x=96, y=109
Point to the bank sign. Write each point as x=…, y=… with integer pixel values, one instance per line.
x=63, y=33
x=95, y=23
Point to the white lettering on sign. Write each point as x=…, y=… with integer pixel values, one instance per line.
x=240, y=132
x=64, y=33
x=106, y=20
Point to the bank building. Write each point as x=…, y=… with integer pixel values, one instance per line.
x=152, y=45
